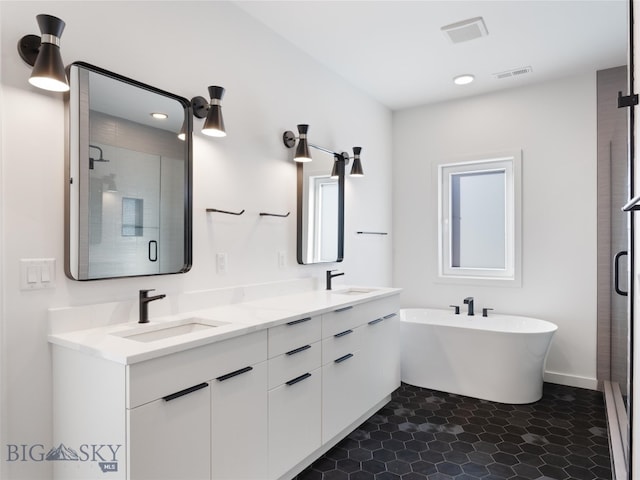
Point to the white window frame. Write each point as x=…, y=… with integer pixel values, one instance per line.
x=511, y=164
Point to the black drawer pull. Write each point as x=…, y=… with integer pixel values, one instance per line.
x=295, y=322
x=342, y=334
x=234, y=374
x=184, y=392
x=298, y=350
x=344, y=309
x=391, y=315
x=342, y=359
x=298, y=379
x=377, y=320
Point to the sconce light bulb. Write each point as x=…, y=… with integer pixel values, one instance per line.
x=50, y=84
x=212, y=132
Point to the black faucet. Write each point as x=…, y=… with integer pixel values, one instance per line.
x=330, y=276
x=143, y=301
x=469, y=301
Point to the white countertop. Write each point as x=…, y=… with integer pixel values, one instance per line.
x=110, y=342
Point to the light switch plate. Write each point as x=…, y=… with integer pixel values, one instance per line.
x=37, y=273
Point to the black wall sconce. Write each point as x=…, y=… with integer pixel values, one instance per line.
x=356, y=168
x=211, y=111
x=302, y=151
x=43, y=54
x=304, y=155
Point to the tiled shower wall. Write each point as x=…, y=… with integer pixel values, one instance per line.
x=612, y=225
x=157, y=179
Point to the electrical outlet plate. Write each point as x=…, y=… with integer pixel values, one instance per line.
x=221, y=262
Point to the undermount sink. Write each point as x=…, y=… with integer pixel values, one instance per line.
x=152, y=333
x=355, y=291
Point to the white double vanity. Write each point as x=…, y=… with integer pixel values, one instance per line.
x=253, y=390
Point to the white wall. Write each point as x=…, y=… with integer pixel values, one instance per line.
x=182, y=47
x=555, y=126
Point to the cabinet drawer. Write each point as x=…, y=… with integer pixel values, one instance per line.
x=293, y=364
x=340, y=344
x=353, y=316
x=294, y=334
x=156, y=378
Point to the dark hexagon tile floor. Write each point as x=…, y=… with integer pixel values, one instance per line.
x=425, y=434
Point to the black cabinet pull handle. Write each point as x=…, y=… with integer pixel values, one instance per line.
x=295, y=322
x=342, y=334
x=222, y=378
x=342, y=359
x=377, y=320
x=391, y=315
x=344, y=309
x=184, y=392
x=298, y=350
x=298, y=379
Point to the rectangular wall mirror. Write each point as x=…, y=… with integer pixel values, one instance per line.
x=320, y=210
x=128, y=185
x=479, y=228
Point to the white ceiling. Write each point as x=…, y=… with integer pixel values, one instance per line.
x=395, y=51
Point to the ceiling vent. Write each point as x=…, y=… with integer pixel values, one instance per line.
x=513, y=73
x=466, y=30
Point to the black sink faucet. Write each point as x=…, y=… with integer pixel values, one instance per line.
x=330, y=276
x=469, y=301
x=143, y=301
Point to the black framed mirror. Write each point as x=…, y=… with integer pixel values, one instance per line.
x=128, y=196
x=320, y=207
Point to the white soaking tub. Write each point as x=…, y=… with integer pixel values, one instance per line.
x=498, y=358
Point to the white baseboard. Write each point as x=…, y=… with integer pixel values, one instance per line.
x=571, y=380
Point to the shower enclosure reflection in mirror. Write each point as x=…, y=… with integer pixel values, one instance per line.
x=128, y=187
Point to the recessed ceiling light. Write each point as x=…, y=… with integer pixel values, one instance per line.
x=159, y=115
x=463, y=79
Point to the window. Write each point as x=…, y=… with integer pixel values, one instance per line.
x=479, y=228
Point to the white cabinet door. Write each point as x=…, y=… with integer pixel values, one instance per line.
x=381, y=356
x=294, y=422
x=169, y=438
x=239, y=424
x=342, y=393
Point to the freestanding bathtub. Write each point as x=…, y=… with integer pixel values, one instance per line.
x=498, y=358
